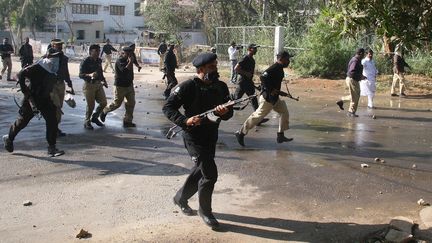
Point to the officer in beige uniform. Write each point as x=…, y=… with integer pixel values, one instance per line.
x=91, y=72
x=62, y=77
x=123, y=89
x=107, y=49
x=271, y=81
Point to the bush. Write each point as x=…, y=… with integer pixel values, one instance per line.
x=420, y=63
x=326, y=53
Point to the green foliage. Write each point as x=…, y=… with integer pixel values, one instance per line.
x=326, y=52
x=384, y=64
x=420, y=63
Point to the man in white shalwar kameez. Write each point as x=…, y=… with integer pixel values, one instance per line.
x=367, y=86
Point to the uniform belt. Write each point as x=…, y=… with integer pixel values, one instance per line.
x=93, y=81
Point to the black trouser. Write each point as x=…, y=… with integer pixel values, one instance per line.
x=48, y=111
x=26, y=62
x=203, y=175
x=171, y=81
x=246, y=86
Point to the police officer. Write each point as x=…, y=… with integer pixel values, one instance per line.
x=135, y=59
x=198, y=95
x=62, y=77
x=123, y=89
x=91, y=72
x=6, y=50
x=170, y=66
x=26, y=53
x=269, y=100
x=161, y=52
x=107, y=49
x=37, y=98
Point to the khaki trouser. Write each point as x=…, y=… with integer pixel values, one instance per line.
x=126, y=94
x=161, y=61
x=263, y=109
x=354, y=96
x=401, y=78
x=7, y=64
x=94, y=92
x=57, y=97
x=108, y=59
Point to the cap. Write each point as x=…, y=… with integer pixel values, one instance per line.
x=253, y=46
x=94, y=46
x=127, y=49
x=56, y=41
x=284, y=54
x=132, y=46
x=203, y=59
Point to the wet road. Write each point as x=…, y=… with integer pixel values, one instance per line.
x=310, y=189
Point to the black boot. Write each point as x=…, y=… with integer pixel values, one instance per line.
x=60, y=133
x=340, y=104
x=54, y=152
x=96, y=121
x=88, y=126
x=103, y=116
x=281, y=138
x=240, y=138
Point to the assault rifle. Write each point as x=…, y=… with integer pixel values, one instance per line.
x=172, y=132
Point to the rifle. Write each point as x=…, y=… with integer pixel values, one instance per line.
x=172, y=132
x=288, y=94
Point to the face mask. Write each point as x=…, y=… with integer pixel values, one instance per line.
x=212, y=76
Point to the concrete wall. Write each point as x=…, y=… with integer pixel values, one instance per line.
x=89, y=31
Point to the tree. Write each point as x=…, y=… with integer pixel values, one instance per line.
x=395, y=21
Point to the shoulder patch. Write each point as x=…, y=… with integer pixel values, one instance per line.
x=176, y=90
x=264, y=74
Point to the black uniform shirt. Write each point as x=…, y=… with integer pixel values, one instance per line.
x=41, y=81
x=271, y=80
x=6, y=48
x=170, y=60
x=197, y=97
x=247, y=64
x=355, y=68
x=123, y=76
x=26, y=52
x=108, y=49
x=89, y=65
x=162, y=48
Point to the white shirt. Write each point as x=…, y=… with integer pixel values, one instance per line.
x=232, y=52
x=369, y=69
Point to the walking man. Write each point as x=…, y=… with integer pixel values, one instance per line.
x=26, y=53
x=198, y=95
x=6, y=50
x=62, y=77
x=37, y=98
x=399, y=65
x=91, y=72
x=170, y=66
x=354, y=75
x=123, y=88
x=271, y=81
x=107, y=49
x=233, y=54
x=368, y=85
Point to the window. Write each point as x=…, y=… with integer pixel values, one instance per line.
x=117, y=10
x=138, y=9
x=84, y=8
x=97, y=34
x=80, y=34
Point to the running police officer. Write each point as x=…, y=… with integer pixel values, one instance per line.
x=269, y=100
x=37, y=98
x=170, y=66
x=107, y=49
x=198, y=95
x=91, y=72
x=26, y=53
x=123, y=88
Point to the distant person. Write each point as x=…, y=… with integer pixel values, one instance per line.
x=6, y=50
x=108, y=49
x=123, y=87
x=162, y=49
x=399, y=65
x=26, y=53
x=354, y=75
x=368, y=86
x=170, y=67
x=91, y=72
x=213, y=50
x=233, y=54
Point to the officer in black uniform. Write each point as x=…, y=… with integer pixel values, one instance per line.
x=26, y=53
x=246, y=68
x=269, y=100
x=37, y=98
x=197, y=95
x=170, y=66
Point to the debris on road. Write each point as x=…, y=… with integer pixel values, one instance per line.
x=83, y=234
x=414, y=166
x=422, y=202
x=364, y=165
x=373, y=117
x=379, y=160
x=27, y=203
